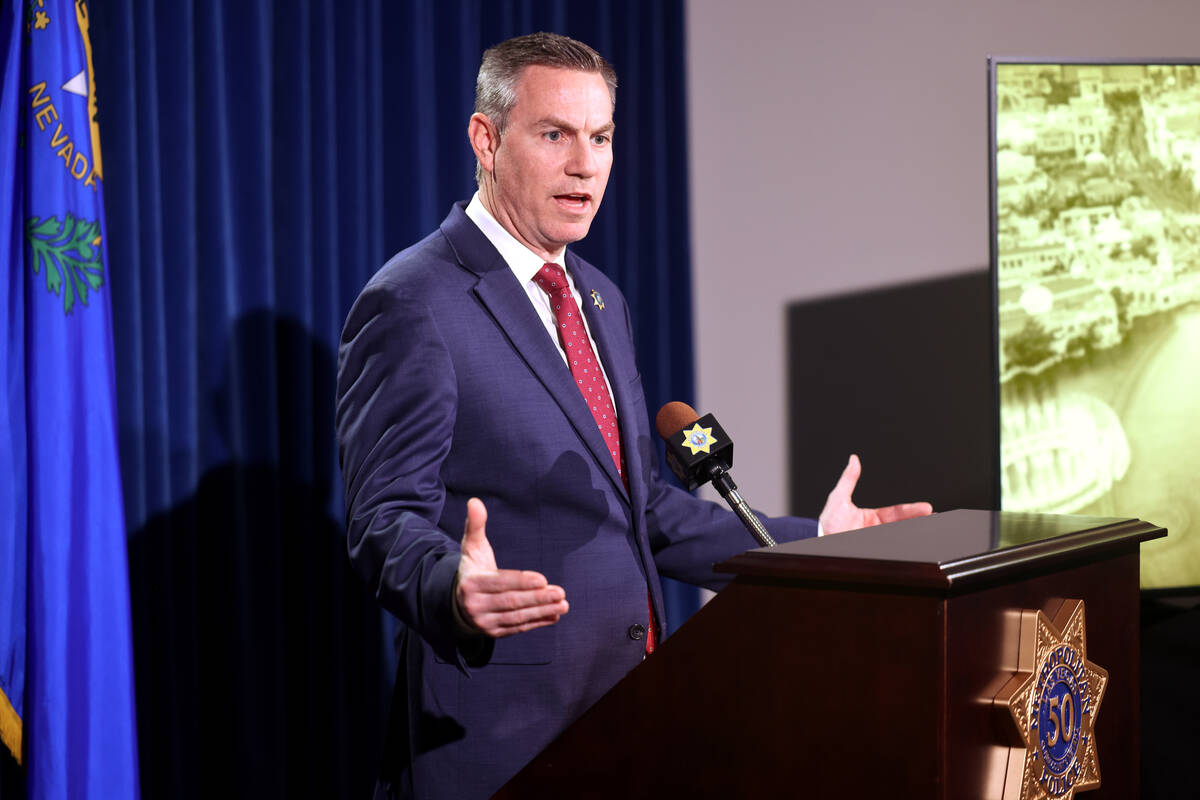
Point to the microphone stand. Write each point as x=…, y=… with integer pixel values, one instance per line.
x=723, y=483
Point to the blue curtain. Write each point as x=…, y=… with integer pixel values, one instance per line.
x=261, y=162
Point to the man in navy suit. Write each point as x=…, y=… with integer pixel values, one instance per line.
x=472, y=431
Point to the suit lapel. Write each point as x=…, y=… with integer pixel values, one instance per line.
x=506, y=301
x=607, y=326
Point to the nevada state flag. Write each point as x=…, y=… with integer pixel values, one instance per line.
x=66, y=659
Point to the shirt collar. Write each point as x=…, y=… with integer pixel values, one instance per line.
x=520, y=259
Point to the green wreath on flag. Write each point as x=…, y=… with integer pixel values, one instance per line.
x=69, y=253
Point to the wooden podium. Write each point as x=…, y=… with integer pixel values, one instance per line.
x=864, y=665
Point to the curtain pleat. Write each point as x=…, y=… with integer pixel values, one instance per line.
x=262, y=160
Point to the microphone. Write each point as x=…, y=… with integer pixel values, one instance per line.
x=699, y=451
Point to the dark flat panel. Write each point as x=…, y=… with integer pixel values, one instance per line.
x=903, y=377
x=1170, y=697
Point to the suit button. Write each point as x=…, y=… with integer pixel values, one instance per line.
x=637, y=631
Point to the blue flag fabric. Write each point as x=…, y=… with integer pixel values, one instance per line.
x=66, y=655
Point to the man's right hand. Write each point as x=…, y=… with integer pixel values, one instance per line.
x=500, y=602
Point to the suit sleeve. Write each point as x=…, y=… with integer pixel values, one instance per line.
x=396, y=405
x=688, y=534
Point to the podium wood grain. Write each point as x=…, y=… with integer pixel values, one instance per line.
x=862, y=665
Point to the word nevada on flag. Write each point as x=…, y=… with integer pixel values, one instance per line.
x=66, y=659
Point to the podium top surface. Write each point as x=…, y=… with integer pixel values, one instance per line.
x=953, y=549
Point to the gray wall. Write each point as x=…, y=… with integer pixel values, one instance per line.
x=840, y=146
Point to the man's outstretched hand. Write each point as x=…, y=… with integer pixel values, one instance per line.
x=500, y=602
x=840, y=513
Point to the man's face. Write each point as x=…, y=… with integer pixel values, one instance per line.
x=552, y=162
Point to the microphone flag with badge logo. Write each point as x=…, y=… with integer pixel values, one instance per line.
x=66, y=655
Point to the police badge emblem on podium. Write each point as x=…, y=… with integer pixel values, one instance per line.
x=1053, y=700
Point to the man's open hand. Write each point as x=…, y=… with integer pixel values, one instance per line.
x=500, y=602
x=840, y=513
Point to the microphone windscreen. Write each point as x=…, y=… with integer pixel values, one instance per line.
x=674, y=417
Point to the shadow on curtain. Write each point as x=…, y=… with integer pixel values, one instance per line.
x=261, y=160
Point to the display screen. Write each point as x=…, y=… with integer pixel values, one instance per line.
x=1096, y=257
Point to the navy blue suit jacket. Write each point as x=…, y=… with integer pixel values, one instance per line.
x=450, y=388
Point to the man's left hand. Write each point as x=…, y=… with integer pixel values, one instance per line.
x=840, y=513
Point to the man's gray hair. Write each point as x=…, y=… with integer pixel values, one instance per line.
x=496, y=85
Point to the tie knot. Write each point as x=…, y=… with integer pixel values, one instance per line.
x=551, y=278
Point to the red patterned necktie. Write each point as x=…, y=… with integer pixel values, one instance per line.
x=585, y=369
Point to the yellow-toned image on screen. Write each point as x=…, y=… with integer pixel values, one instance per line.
x=1097, y=204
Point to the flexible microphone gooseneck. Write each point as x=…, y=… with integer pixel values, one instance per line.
x=699, y=451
